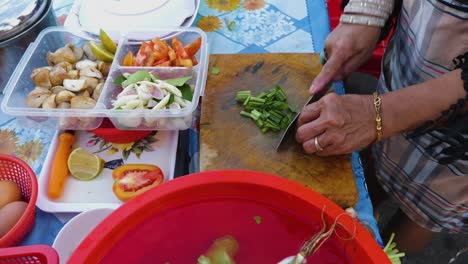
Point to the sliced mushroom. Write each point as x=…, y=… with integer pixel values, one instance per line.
x=91, y=83
x=91, y=72
x=84, y=93
x=36, y=97
x=74, y=85
x=40, y=76
x=77, y=51
x=81, y=102
x=63, y=105
x=87, y=50
x=57, y=75
x=97, y=91
x=57, y=89
x=74, y=74
x=65, y=65
x=104, y=67
x=85, y=63
x=49, y=103
x=64, y=96
x=61, y=55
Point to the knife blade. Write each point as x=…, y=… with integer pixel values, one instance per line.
x=292, y=126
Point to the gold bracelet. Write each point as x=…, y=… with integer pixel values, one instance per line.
x=378, y=118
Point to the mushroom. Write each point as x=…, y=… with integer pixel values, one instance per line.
x=64, y=96
x=91, y=83
x=65, y=65
x=91, y=72
x=49, y=103
x=74, y=85
x=63, y=105
x=57, y=75
x=37, y=96
x=61, y=55
x=88, y=52
x=84, y=93
x=74, y=74
x=77, y=51
x=97, y=91
x=104, y=67
x=57, y=89
x=85, y=63
x=81, y=102
x=40, y=76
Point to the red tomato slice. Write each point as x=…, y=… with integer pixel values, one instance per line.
x=176, y=44
x=193, y=47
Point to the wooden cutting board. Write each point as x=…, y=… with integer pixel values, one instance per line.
x=230, y=141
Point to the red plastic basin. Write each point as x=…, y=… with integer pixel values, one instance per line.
x=177, y=221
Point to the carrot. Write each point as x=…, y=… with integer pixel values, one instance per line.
x=59, y=171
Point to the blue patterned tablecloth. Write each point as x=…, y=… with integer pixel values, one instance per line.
x=234, y=26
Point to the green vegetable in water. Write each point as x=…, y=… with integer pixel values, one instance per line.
x=222, y=251
x=392, y=252
x=269, y=110
x=258, y=219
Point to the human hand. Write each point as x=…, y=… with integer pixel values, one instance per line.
x=341, y=124
x=347, y=48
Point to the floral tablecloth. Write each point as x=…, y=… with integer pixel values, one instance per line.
x=233, y=26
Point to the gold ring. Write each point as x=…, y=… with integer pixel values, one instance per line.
x=317, y=145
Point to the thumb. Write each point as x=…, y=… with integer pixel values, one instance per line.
x=329, y=71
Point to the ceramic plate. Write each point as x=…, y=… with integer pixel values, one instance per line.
x=76, y=230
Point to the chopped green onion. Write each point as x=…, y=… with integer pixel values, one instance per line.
x=269, y=110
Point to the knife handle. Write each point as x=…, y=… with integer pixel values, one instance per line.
x=59, y=172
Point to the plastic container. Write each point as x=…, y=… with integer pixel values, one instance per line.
x=50, y=39
x=37, y=254
x=176, y=222
x=16, y=170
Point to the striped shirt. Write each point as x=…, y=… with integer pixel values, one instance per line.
x=429, y=34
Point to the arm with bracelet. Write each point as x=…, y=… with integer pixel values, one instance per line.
x=416, y=122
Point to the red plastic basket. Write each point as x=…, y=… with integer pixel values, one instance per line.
x=155, y=227
x=38, y=254
x=18, y=171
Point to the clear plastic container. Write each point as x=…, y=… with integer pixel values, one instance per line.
x=51, y=39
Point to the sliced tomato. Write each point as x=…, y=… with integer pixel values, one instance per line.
x=128, y=60
x=172, y=55
x=163, y=63
x=194, y=61
x=193, y=47
x=131, y=180
x=143, y=54
x=176, y=44
x=182, y=58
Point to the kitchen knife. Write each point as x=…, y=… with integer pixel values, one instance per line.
x=290, y=131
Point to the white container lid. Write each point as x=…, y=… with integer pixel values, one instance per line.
x=135, y=13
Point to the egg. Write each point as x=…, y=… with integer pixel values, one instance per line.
x=10, y=215
x=9, y=192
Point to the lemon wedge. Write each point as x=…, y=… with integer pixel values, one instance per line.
x=101, y=53
x=107, y=42
x=84, y=165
